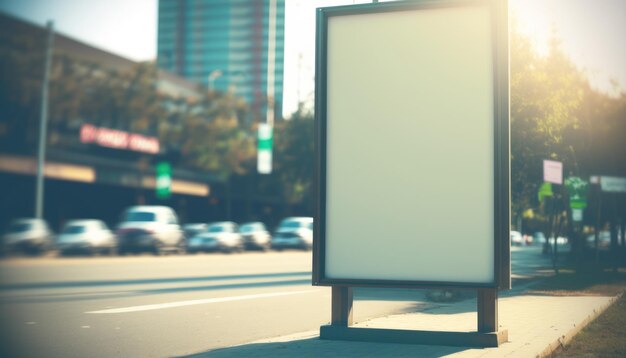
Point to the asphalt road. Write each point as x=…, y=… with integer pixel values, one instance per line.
x=147, y=306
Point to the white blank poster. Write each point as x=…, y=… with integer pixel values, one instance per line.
x=410, y=146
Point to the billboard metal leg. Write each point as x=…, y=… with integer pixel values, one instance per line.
x=487, y=310
x=341, y=322
x=341, y=314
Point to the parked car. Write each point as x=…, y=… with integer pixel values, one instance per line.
x=562, y=241
x=604, y=241
x=220, y=236
x=516, y=238
x=194, y=229
x=294, y=232
x=539, y=237
x=149, y=228
x=255, y=236
x=528, y=239
x=30, y=236
x=86, y=236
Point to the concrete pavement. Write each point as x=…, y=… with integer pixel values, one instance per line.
x=537, y=325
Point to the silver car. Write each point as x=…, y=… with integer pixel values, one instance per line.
x=86, y=236
x=220, y=236
x=30, y=236
x=294, y=232
x=150, y=228
x=255, y=236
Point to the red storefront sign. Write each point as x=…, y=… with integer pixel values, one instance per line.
x=113, y=138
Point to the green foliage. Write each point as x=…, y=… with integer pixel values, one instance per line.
x=546, y=95
x=88, y=93
x=294, y=151
x=219, y=145
x=21, y=70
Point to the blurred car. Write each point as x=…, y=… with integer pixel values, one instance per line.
x=559, y=241
x=516, y=238
x=548, y=244
x=294, y=232
x=539, y=237
x=604, y=241
x=193, y=229
x=528, y=239
x=220, y=236
x=149, y=228
x=86, y=236
x=31, y=236
x=255, y=236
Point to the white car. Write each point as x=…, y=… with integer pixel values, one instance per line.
x=220, y=236
x=604, y=241
x=516, y=238
x=559, y=241
x=294, y=232
x=539, y=237
x=31, y=236
x=149, y=228
x=86, y=236
x=255, y=236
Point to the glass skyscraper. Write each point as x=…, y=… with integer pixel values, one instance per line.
x=223, y=44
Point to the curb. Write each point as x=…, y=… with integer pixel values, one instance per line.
x=565, y=339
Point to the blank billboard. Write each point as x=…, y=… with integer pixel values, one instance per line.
x=409, y=130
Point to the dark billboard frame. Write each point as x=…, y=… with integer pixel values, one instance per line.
x=499, y=37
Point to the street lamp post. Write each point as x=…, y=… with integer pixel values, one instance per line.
x=43, y=124
x=265, y=136
x=271, y=48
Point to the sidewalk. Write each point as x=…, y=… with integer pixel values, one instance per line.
x=537, y=324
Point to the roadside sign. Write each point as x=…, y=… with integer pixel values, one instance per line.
x=163, y=180
x=264, y=149
x=613, y=184
x=577, y=214
x=545, y=191
x=577, y=189
x=553, y=171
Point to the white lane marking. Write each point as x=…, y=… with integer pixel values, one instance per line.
x=197, y=302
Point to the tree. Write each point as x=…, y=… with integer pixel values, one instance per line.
x=546, y=95
x=211, y=134
x=555, y=114
x=294, y=147
x=21, y=70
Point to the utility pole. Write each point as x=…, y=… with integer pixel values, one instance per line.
x=271, y=50
x=265, y=135
x=43, y=123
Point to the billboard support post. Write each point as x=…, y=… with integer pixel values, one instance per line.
x=487, y=334
x=341, y=310
x=487, y=300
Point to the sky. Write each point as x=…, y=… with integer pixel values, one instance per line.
x=593, y=33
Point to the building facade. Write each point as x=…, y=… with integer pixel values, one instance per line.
x=224, y=44
x=93, y=169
